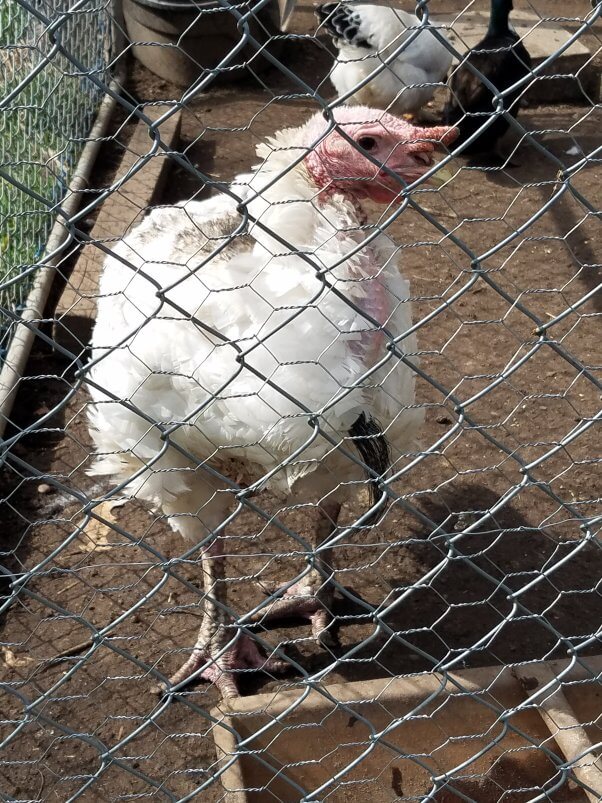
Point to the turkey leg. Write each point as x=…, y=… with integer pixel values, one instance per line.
x=311, y=597
x=216, y=632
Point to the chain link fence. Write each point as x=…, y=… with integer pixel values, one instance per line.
x=350, y=434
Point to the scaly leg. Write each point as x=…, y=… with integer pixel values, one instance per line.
x=311, y=597
x=215, y=633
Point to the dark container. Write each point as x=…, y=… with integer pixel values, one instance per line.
x=180, y=40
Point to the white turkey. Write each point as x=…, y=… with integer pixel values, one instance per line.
x=256, y=341
x=366, y=37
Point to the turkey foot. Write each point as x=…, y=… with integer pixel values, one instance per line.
x=216, y=644
x=307, y=599
x=243, y=655
x=312, y=596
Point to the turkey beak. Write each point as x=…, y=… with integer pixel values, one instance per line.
x=445, y=135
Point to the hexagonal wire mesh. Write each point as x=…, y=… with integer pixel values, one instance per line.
x=268, y=343
x=48, y=105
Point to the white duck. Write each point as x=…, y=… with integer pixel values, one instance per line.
x=366, y=36
x=218, y=346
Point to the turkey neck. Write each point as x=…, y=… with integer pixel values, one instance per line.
x=311, y=219
x=498, y=18
x=375, y=302
x=298, y=209
x=329, y=196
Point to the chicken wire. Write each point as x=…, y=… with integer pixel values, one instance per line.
x=467, y=618
x=48, y=106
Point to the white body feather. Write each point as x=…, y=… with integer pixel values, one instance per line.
x=151, y=350
x=400, y=86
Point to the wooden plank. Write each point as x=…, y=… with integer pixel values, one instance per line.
x=76, y=309
x=567, y=731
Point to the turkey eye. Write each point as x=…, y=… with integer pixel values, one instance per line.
x=367, y=143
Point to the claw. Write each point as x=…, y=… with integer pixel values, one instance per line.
x=300, y=600
x=244, y=655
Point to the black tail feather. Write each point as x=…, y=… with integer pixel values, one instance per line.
x=371, y=443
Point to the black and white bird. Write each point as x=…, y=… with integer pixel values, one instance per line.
x=503, y=59
x=368, y=36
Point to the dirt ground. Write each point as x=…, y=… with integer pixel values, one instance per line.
x=456, y=602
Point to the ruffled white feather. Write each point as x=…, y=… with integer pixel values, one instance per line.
x=237, y=346
x=409, y=80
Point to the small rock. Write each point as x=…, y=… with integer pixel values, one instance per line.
x=44, y=488
x=443, y=419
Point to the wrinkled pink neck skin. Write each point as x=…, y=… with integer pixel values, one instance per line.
x=337, y=166
x=377, y=305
